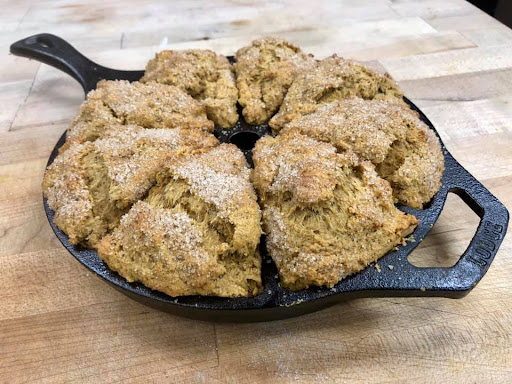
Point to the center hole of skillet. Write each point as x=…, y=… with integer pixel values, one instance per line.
x=244, y=140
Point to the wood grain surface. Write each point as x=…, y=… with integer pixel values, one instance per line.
x=59, y=323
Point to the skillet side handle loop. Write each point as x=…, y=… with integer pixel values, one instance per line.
x=58, y=53
x=459, y=280
x=493, y=224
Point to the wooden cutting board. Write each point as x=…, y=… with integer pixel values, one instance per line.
x=59, y=323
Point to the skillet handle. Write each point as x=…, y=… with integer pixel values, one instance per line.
x=493, y=224
x=58, y=53
x=457, y=281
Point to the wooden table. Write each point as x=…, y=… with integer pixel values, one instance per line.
x=59, y=323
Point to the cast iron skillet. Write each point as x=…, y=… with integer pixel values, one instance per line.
x=402, y=279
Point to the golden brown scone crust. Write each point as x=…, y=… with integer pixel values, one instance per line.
x=197, y=232
x=204, y=75
x=333, y=78
x=327, y=215
x=146, y=105
x=403, y=149
x=264, y=72
x=91, y=185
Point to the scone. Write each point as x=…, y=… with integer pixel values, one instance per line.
x=124, y=103
x=264, y=72
x=91, y=185
x=196, y=233
x=403, y=149
x=333, y=78
x=327, y=215
x=204, y=75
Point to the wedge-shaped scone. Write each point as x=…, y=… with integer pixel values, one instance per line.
x=196, y=233
x=332, y=79
x=124, y=103
x=91, y=185
x=327, y=215
x=204, y=75
x=403, y=149
x=264, y=72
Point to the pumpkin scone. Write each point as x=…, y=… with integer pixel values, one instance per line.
x=204, y=75
x=120, y=102
x=327, y=215
x=264, y=72
x=196, y=233
x=332, y=79
x=91, y=185
x=403, y=149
